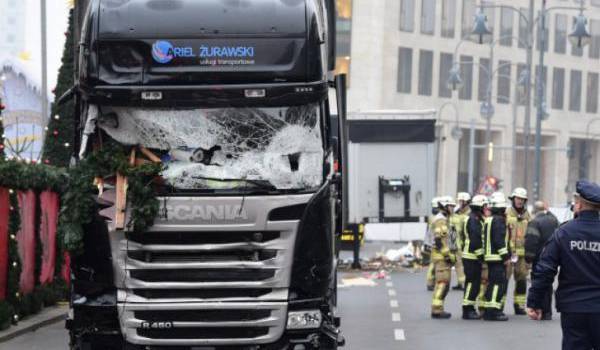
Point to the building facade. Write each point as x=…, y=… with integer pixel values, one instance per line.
x=401, y=55
x=12, y=26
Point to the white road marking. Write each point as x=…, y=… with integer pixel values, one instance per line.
x=399, y=334
x=394, y=303
x=396, y=317
x=392, y=293
x=389, y=284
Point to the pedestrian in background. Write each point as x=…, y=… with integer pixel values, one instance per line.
x=539, y=231
x=575, y=249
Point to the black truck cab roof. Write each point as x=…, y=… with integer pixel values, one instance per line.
x=203, y=49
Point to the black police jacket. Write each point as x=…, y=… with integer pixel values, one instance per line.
x=575, y=248
x=539, y=231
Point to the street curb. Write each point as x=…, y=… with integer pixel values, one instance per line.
x=47, y=317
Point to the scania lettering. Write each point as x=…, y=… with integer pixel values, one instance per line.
x=234, y=100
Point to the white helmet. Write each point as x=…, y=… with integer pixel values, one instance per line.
x=434, y=202
x=479, y=201
x=498, y=200
x=519, y=192
x=463, y=196
x=446, y=201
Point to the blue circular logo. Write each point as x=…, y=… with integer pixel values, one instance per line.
x=162, y=51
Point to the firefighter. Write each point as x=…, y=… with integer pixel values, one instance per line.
x=457, y=222
x=442, y=257
x=517, y=219
x=429, y=243
x=496, y=256
x=472, y=254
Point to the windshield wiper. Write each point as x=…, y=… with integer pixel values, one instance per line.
x=257, y=184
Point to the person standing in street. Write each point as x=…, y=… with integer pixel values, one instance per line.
x=472, y=254
x=457, y=222
x=575, y=249
x=539, y=231
x=428, y=244
x=496, y=256
x=442, y=257
x=517, y=219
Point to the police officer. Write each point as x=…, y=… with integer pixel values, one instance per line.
x=517, y=219
x=457, y=222
x=442, y=257
x=496, y=257
x=472, y=254
x=539, y=231
x=428, y=244
x=575, y=248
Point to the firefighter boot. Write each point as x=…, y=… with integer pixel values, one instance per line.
x=469, y=313
x=519, y=310
x=494, y=315
x=441, y=315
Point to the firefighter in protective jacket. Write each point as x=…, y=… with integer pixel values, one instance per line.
x=457, y=221
x=517, y=219
x=496, y=256
x=472, y=254
x=442, y=256
x=429, y=243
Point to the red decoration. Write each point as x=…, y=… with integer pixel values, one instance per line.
x=65, y=274
x=2, y=107
x=55, y=133
x=48, y=223
x=4, y=212
x=26, y=240
x=46, y=161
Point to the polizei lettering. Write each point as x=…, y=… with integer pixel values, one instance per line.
x=226, y=51
x=586, y=246
x=207, y=212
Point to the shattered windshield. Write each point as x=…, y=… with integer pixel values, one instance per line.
x=227, y=148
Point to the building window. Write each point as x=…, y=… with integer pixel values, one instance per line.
x=546, y=36
x=506, y=26
x=407, y=15
x=504, y=70
x=575, y=91
x=490, y=13
x=523, y=32
x=560, y=33
x=558, y=88
x=344, y=37
x=404, y=69
x=482, y=87
x=543, y=81
x=595, y=3
x=468, y=15
x=428, y=17
x=595, y=44
x=576, y=50
x=466, y=69
x=445, y=67
x=591, y=105
x=448, y=18
x=425, y=72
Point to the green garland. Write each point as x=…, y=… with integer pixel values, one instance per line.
x=13, y=297
x=1, y=134
x=79, y=206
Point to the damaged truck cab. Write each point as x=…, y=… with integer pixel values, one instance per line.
x=231, y=97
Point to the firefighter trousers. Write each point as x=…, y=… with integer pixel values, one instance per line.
x=472, y=282
x=519, y=272
x=443, y=274
x=431, y=274
x=484, y=283
x=494, y=293
x=459, y=267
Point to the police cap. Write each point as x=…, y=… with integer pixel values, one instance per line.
x=588, y=191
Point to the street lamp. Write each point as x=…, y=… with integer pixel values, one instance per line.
x=454, y=81
x=480, y=30
x=580, y=37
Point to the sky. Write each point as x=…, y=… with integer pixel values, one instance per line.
x=57, y=17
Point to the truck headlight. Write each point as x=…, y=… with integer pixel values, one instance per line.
x=305, y=319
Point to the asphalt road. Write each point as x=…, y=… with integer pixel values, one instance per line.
x=388, y=313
